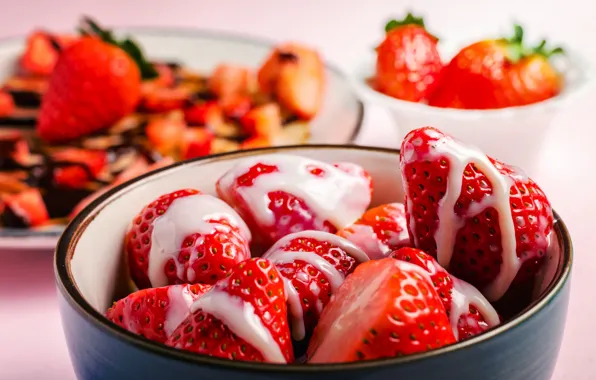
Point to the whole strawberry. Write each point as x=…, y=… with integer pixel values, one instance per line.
x=499, y=73
x=485, y=222
x=185, y=237
x=314, y=265
x=96, y=82
x=386, y=308
x=379, y=231
x=408, y=62
x=156, y=312
x=469, y=312
x=243, y=317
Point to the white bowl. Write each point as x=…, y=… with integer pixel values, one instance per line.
x=514, y=135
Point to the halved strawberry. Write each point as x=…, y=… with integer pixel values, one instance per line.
x=243, y=317
x=485, y=222
x=185, y=237
x=386, y=308
x=196, y=143
x=263, y=121
x=156, y=312
x=314, y=265
x=204, y=114
x=27, y=208
x=379, y=231
x=41, y=52
x=166, y=133
x=295, y=75
x=7, y=105
x=230, y=80
x=87, y=165
x=281, y=194
x=469, y=312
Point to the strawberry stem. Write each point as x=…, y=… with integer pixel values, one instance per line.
x=89, y=27
x=410, y=19
x=517, y=50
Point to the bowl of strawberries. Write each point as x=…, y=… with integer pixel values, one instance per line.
x=435, y=261
x=499, y=93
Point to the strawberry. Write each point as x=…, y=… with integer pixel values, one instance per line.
x=7, y=106
x=196, y=142
x=27, y=208
x=157, y=99
x=255, y=142
x=462, y=301
x=379, y=231
x=263, y=121
x=498, y=73
x=243, y=317
x=235, y=107
x=42, y=51
x=275, y=195
x=485, y=222
x=137, y=168
x=230, y=80
x=295, y=75
x=314, y=264
x=185, y=237
x=204, y=114
x=95, y=83
x=156, y=312
x=87, y=165
x=408, y=62
x=166, y=133
x=386, y=308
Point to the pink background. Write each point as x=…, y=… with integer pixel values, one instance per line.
x=32, y=344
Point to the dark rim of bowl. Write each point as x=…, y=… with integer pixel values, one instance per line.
x=67, y=286
x=6, y=233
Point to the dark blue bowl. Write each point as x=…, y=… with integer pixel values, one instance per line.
x=90, y=274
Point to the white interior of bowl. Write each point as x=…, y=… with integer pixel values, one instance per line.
x=97, y=266
x=337, y=122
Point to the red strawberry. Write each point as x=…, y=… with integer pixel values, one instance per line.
x=96, y=82
x=408, y=62
x=27, y=206
x=386, y=308
x=295, y=75
x=469, y=312
x=166, y=133
x=314, y=264
x=242, y=318
x=87, y=165
x=275, y=195
x=157, y=98
x=485, y=222
x=379, y=231
x=156, y=312
x=42, y=51
x=7, y=105
x=235, y=107
x=263, y=121
x=204, y=114
x=229, y=80
x=196, y=142
x=198, y=239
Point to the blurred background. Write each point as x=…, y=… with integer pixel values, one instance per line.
x=343, y=31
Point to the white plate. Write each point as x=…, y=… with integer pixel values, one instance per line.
x=338, y=122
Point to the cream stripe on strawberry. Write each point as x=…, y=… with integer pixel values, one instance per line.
x=285, y=252
x=186, y=216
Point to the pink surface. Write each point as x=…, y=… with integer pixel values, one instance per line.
x=32, y=343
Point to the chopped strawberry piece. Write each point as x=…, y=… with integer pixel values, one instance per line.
x=157, y=98
x=263, y=121
x=255, y=142
x=229, y=80
x=28, y=206
x=166, y=133
x=235, y=107
x=86, y=166
x=155, y=313
x=41, y=52
x=386, y=308
x=7, y=105
x=166, y=77
x=196, y=143
x=204, y=114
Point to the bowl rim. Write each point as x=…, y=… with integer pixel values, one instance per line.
x=17, y=234
x=68, y=288
x=579, y=62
